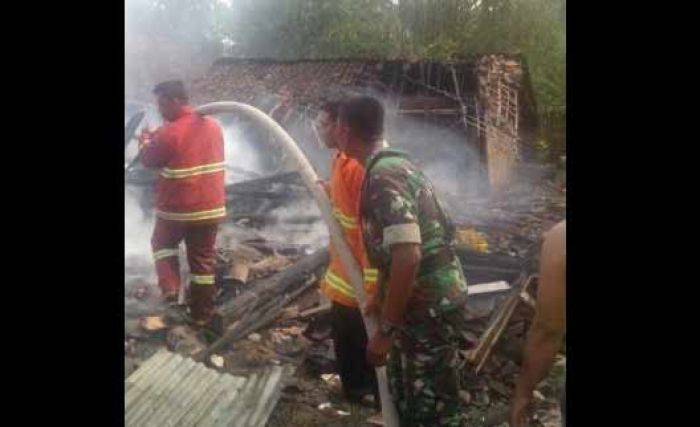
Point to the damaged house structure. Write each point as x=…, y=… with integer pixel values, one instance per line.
x=270, y=359
x=488, y=98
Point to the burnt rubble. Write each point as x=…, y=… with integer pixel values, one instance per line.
x=269, y=309
x=274, y=315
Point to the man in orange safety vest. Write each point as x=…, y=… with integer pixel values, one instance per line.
x=348, y=331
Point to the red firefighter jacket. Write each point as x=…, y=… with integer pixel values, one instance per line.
x=190, y=155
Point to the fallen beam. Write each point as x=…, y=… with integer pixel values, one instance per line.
x=268, y=289
x=489, y=338
x=321, y=309
x=485, y=288
x=254, y=322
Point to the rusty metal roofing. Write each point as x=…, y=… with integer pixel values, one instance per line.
x=171, y=390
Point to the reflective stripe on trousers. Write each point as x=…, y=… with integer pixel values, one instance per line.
x=192, y=216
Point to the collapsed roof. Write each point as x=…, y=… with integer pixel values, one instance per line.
x=489, y=97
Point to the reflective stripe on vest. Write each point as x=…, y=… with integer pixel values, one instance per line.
x=337, y=283
x=206, y=279
x=340, y=285
x=192, y=216
x=370, y=275
x=188, y=172
x=347, y=222
x=165, y=253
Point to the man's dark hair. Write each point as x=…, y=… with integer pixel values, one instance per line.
x=364, y=116
x=173, y=89
x=332, y=108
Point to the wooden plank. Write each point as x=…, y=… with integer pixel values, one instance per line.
x=484, y=288
x=490, y=337
x=261, y=318
x=323, y=308
x=270, y=287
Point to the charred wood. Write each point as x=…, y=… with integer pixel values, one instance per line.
x=498, y=323
x=267, y=292
x=259, y=318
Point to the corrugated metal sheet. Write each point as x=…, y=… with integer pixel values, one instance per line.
x=170, y=390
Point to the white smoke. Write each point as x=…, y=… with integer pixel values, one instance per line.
x=138, y=227
x=165, y=41
x=314, y=234
x=445, y=155
x=242, y=158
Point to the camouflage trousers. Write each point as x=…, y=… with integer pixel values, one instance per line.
x=424, y=372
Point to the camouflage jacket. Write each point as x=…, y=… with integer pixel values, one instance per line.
x=399, y=205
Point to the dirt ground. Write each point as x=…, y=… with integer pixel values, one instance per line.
x=300, y=399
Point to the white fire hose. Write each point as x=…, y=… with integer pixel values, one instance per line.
x=310, y=180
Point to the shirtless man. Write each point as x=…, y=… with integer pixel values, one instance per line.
x=549, y=326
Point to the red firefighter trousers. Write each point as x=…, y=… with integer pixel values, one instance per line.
x=201, y=257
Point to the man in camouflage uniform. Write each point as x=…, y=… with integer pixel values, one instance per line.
x=421, y=284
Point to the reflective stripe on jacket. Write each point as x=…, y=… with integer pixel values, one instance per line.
x=190, y=155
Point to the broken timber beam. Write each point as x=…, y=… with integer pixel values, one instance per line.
x=488, y=339
x=269, y=288
x=321, y=309
x=252, y=323
x=484, y=288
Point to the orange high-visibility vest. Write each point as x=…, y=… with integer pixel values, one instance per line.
x=345, y=186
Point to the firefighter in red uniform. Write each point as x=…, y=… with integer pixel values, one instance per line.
x=190, y=197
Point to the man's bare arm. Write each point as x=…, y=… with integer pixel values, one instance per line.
x=405, y=261
x=547, y=331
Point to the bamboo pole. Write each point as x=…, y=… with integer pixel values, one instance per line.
x=310, y=180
